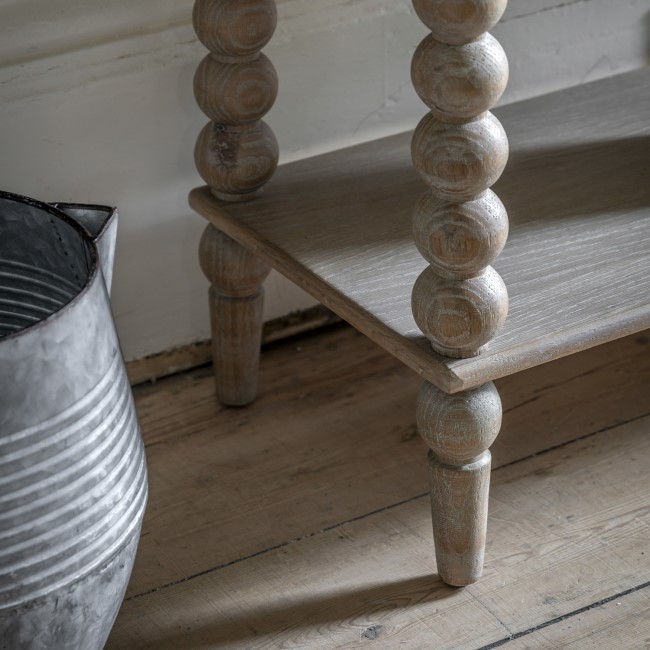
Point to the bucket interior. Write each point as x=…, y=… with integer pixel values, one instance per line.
x=45, y=261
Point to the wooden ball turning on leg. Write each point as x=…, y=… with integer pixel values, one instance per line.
x=459, y=301
x=235, y=93
x=460, y=239
x=236, y=161
x=459, y=316
x=459, y=82
x=459, y=21
x=236, y=154
x=459, y=161
x=459, y=429
x=235, y=28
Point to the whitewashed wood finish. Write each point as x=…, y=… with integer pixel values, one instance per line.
x=236, y=299
x=459, y=21
x=236, y=153
x=576, y=262
x=460, y=149
x=458, y=430
x=460, y=239
x=459, y=83
x=459, y=316
x=236, y=161
x=235, y=92
x=459, y=161
x=234, y=29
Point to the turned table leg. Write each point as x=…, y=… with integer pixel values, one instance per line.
x=459, y=429
x=236, y=153
x=236, y=298
x=459, y=226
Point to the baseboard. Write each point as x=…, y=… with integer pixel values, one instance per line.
x=190, y=356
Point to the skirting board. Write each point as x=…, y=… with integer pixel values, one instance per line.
x=196, y=354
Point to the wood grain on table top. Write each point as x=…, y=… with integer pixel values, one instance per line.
x=576, y=264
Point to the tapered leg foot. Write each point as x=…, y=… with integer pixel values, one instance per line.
x=459, y=499
x=236, y=300
x=459, y=428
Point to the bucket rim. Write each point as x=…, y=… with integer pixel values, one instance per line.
x=88, y=241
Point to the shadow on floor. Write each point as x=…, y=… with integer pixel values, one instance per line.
x=362, y=609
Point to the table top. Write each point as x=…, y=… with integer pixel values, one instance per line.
x=577, y=261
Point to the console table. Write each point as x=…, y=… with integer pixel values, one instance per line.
x=425, y=275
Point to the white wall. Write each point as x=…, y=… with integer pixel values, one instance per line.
x=96, y=105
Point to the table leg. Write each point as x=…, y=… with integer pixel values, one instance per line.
x=236, y=299
x=459, y=428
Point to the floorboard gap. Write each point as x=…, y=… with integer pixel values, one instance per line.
x=591, y=434
x=564, y=617
x=370, y=514
x=277, y=546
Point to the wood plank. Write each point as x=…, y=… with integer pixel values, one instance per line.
x=332, y=437
x=623, y=622
x=576, y=263
x=568, y=528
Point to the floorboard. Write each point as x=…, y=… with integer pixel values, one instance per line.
x=301, y=521
x=621, y=622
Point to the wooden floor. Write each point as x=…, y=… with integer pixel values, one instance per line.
x=303, y=521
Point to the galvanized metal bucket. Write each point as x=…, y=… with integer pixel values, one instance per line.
x=73, y=481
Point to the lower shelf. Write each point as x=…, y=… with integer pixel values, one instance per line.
x=577, y=190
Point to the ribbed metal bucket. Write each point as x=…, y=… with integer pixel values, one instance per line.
x=72, y=468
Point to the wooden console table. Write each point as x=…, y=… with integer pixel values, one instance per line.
x=343, y=226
